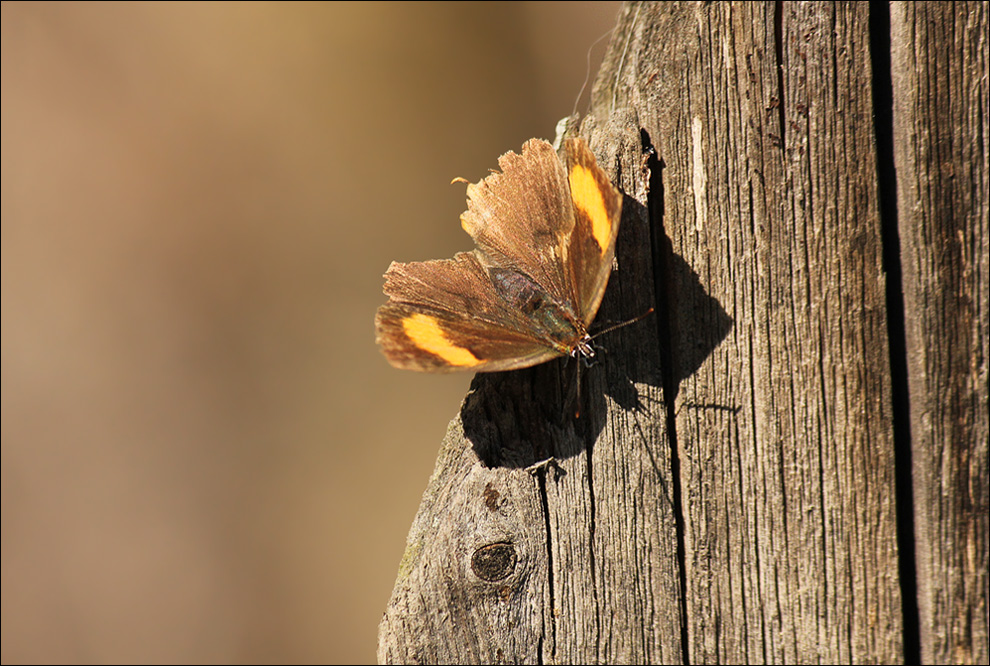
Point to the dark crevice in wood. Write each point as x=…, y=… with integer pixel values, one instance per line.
x=752, y=382
x=662, y=253
x=541, y=480
x=778, y=42
x=822, y=518
x=883, y=106
x=593, y=505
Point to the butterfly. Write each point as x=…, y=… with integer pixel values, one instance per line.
x=544, y=227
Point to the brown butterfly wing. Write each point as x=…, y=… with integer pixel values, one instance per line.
x=545, y=229
x=522, y=217
x=597, y=209
x=446, y=315
x=556, y=222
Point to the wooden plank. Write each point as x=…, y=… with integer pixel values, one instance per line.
x=762, y=116
x=939, y=67
x=595, y=578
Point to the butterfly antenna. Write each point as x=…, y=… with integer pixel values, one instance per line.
x=624, y=323
x=587, y=71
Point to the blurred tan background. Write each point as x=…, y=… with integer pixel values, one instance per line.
x=204, y=455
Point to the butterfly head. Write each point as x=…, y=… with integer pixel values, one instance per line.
x=583, y=349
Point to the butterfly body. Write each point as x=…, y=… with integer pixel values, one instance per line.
x=545, y=231
x=556, y=323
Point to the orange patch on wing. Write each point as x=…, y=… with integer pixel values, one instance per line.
x=587, y=196
x=425, y=333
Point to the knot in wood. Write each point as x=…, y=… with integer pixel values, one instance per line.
x=494, y=561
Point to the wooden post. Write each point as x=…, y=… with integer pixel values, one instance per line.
x=941, y=142
x=730, y=492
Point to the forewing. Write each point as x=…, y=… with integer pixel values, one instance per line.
x=445, y=315
x=522, y=217
x=597, y=209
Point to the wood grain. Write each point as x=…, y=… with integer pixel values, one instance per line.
x=576, y=523
x=763, y=117
x=939, y=69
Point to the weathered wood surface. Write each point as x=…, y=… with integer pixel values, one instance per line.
x=728, y=494
x=939, y=62
x=763, y=116
x=573, y=528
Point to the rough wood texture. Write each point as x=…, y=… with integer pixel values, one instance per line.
x=592, y=537
x=763, y=117
x=728, y=494
x=941, y=134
